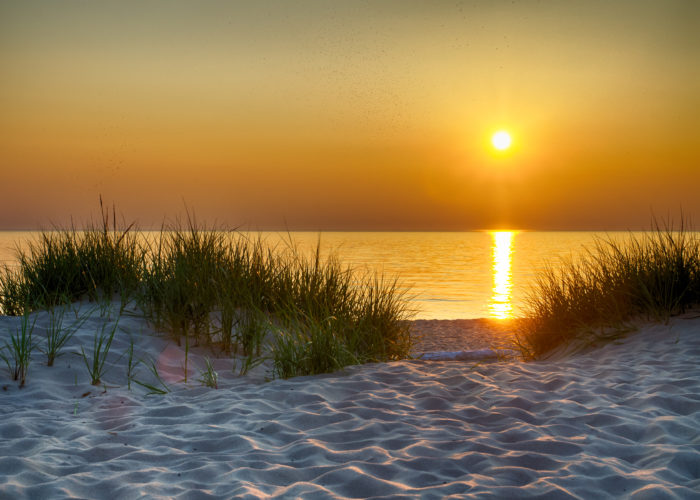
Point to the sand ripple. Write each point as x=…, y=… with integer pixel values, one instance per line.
x=619, y=422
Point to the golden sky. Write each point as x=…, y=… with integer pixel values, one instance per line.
x=355, y=115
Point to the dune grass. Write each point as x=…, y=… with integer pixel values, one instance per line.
x=17, y=352
x=216, y=288
x=161, y=388
x=58, y=334
x=65, y=265
x=225, y=290
x=95, y=363
x=304, y=346
x=208, y=376
x=653, y=276
x=131, y=364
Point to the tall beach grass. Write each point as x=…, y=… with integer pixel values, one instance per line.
x=233, y=292
x=221, y=289
x=64, y=265
x=653, y=276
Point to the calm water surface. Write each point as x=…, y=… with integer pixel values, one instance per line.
x=451, y=275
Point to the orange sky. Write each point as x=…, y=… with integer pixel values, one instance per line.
x=351, y=115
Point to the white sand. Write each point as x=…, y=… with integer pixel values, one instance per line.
x=619, y=422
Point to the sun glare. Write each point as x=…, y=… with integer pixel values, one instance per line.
x=501, y=140
x=500, y=305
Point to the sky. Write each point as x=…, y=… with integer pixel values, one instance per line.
x=354, y=115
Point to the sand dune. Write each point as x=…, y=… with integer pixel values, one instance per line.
x=618, y=422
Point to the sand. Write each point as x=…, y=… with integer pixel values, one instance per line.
x=461, y=334
x=619, y=422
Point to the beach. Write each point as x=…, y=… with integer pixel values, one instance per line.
x=619, y=421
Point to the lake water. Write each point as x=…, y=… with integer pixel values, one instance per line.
x=452, y=275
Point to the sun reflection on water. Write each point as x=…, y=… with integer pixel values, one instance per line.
x=500, y=305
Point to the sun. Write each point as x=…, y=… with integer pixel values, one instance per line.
x=501, y=140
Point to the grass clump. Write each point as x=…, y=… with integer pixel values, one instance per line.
x=100, y=349
x=131, y=364
x=208, y=376
x=308, y=347
x=227, y=291
x=57, y=334
x=67, y=265
x=656, y=276
x=19, y=349
x=180, y=286
x=161, y=388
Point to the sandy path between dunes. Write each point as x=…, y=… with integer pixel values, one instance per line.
x=619, y=422
x=461, y=334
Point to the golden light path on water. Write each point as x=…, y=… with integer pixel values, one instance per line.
x=500, y=305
